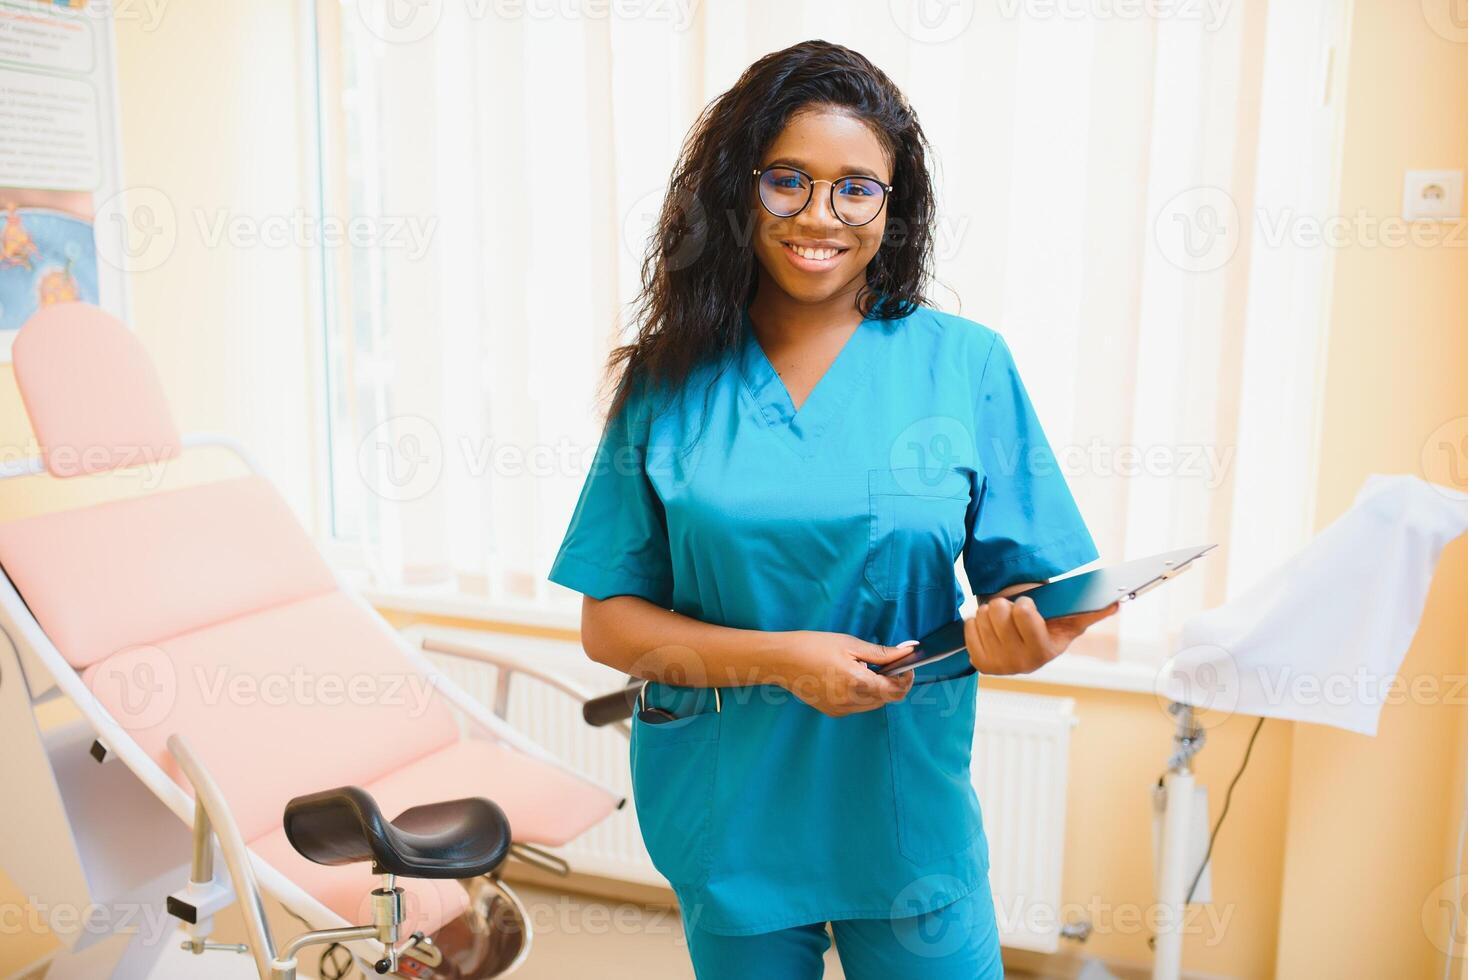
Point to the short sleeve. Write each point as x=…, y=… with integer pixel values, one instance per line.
x=617, y=541
x=1024, y=525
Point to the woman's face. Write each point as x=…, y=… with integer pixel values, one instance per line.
x=826, y=145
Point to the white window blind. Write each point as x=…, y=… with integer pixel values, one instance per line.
x=1099, y=181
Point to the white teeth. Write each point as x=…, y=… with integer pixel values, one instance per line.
x=820, y=254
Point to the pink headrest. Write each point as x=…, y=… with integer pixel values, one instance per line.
x=91, y=392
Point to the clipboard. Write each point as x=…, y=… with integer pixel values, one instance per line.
x=1069, y=596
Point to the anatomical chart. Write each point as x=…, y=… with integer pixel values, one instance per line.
x=58, y=159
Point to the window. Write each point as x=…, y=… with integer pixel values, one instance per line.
x=1102, y=180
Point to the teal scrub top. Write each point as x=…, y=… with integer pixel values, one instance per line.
x=722, y=502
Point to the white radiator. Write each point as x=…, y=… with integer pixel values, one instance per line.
x=1020, y=765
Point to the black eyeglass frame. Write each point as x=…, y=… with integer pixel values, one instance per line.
x=811, y=194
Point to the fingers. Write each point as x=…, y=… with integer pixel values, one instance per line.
x=867, y=690
x=876, y=653
x=1023, y=653
x=1001, y=613
x=989, y=639
x=1030, y=626
x=1073, y=626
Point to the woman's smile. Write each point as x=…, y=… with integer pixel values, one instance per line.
x=813, y=257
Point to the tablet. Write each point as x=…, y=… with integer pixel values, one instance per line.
x=1081, y=593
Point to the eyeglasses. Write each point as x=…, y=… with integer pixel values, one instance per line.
x=785, y=192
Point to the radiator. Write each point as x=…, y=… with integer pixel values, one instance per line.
x=1020, y=765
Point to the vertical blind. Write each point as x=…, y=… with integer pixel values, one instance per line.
x=1098, y=177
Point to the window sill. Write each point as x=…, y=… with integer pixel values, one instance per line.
x=1080, y=670
x=486, y=614
x=1072, y=669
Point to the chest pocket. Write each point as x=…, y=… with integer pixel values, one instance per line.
x=916, y=528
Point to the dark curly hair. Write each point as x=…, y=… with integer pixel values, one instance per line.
x=700, y=273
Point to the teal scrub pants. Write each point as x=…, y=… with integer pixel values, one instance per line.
x=959, y=941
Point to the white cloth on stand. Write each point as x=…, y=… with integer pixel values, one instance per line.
x=1321, y=637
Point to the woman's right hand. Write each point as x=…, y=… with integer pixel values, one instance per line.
x=829, y=672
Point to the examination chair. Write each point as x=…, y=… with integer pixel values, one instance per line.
x=381, y=820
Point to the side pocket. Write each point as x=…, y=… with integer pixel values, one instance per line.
x=673, y=770
x=932, y=745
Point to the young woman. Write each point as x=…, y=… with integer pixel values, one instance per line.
x=798, y=452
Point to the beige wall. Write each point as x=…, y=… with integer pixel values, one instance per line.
x=1372, y=822
x=215, y=114
x=1335, y=841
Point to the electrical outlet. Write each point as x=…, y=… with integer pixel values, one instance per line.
x=1432, y=195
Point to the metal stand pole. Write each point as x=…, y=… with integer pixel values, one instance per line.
x=1174, y=875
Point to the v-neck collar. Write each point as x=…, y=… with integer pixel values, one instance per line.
x=822, y=408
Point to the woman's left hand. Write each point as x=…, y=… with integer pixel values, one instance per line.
x=1011, y=637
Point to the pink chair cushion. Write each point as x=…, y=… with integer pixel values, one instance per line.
x=129, y=572
x=90, y=390
x=301, y=697
x=544, y=804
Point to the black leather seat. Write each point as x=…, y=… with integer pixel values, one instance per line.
x=456, y=839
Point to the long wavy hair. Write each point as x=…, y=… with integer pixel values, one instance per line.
x=700, y=272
